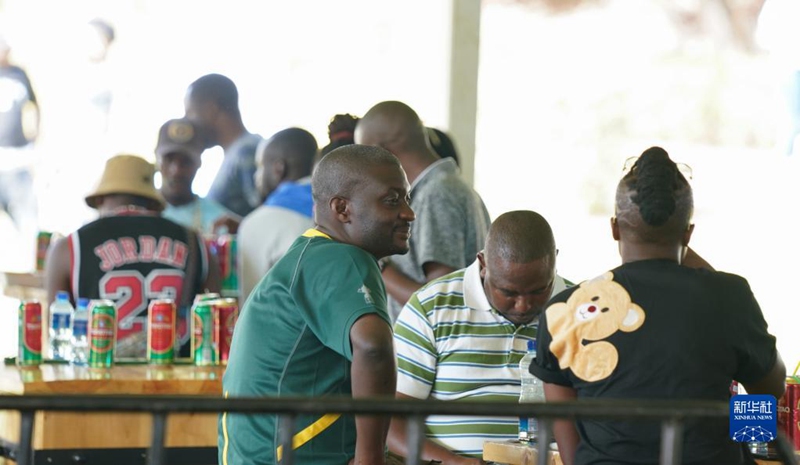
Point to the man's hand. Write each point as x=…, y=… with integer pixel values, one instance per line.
x=229, y=222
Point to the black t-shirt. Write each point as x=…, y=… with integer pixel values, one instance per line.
x=131, y=259
x=657, y=330
x=15, y=93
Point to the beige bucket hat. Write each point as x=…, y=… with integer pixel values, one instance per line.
x=127, y=174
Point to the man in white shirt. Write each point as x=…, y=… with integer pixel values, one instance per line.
x=461, y=337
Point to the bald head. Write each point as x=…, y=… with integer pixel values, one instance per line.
x=215, y=89
x=295, y=146
x=342, y=171
x=286, y=156
x=520, y=237
x=393, y=126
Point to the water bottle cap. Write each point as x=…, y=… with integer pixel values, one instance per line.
x=62, y=295
x=83, y=302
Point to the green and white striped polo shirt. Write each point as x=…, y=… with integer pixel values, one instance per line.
x=451, y=345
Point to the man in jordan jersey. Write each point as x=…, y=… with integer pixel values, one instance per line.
x=131, y=255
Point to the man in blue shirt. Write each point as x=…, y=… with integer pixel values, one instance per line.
x=178, y=155
x=212, y=102
x=283, y=178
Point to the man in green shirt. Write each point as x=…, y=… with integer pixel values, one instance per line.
x=317, y=324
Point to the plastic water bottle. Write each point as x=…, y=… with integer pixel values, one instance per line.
x=80, y=326
x=531, y=391
x=61, y=328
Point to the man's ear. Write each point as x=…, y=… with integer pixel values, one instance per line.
x=687, y=235
x=341, y=208
x=482, y=264
x=614, y=228
x=279, y=169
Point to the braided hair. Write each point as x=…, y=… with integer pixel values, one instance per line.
x=341, y=132
x=654, y=198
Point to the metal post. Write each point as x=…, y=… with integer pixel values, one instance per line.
x=415, y=426
x=25, y=451
x=156, y=454
x=543, y=442
x=671, y=441
x=287, y=439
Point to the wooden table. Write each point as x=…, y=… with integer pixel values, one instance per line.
x=62, y=431
x=516, y=453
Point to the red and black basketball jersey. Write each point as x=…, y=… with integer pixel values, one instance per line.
x=131, y=259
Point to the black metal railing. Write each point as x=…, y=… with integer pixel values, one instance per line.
x=671, y=414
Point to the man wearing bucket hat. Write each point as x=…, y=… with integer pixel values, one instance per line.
x=131, y=254
x=178, y=157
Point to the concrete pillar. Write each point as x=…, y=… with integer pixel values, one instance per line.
x=463, y=98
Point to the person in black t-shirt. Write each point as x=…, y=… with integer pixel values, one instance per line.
x=654, y=328
x=131, y=255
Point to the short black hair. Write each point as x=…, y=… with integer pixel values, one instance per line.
x=302, y=147
x=341, y=172
x=217, y=89
x=520, y=236
x=654, y=198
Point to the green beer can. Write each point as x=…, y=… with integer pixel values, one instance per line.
x=203, y=351
x=102, y=333
x=205, y=297
x=30, y=333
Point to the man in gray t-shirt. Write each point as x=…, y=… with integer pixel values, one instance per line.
x=452, y=221
x=212, y=102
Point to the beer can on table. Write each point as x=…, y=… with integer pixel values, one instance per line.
x=203, y=323
x=227, y=312
x=161, y=331
x=205, y=297
x=30, y=333
x=102, y=333
x=791, y=398
x=226, y=253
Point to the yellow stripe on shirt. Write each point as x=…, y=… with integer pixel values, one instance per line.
x=225, y=435
x=315, y=233
x=309, y=432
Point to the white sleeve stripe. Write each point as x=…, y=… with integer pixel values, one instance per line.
x=75, y=249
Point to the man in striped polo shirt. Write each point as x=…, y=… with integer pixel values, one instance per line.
x=461, y=336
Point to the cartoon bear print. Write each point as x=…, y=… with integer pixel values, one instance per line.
x=596, y=310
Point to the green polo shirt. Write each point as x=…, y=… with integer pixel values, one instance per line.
x=293, y=339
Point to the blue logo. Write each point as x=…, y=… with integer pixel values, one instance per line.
x=753, y=418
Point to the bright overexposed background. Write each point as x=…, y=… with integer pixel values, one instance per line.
x=565, y=96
